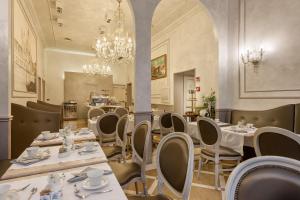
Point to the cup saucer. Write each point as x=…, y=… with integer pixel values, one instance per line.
x=86, y=184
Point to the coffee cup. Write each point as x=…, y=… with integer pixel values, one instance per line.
x=7, y=194
x=84, y=130
x=32, y=151
x=89, y=146
x=217, y=120
x=249, y=125
x=46, y=134
x=94, y=177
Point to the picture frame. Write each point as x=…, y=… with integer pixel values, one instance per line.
x=159, y=68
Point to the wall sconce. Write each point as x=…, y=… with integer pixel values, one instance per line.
x=254, y=56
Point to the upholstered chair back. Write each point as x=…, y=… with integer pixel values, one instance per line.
x=122, y=128
x=265, y=178
x=27, y=124
x=272, y=141
x=165, y=123
x=176, y=172
x=179, y=123
x=281, y=117
x=107, y=125
x=297, y=119
x=95, y=112
x=210, y=133
x=121, y=111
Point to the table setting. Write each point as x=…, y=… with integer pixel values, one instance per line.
x=36, y=160
x=93, y=182
x=46, y=138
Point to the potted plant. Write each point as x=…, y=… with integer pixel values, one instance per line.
x=209, y=103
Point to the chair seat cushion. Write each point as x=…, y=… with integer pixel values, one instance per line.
x=195, y=141
x=125, y=172
x=224, y=152
x=156, y=132
x=4, y=165
x=111, y=151
x=156, y=197
x=108, y=139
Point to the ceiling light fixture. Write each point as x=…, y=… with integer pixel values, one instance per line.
x=117, y=46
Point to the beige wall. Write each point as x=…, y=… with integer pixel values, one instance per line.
x=59, y=61
x=274, y=25
x=190, y=43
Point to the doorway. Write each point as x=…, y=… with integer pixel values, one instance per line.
x=184, y=86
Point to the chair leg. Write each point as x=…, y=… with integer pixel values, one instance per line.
x=145, y=188
x=217, y=174
x=136, y=188
x=199, y=167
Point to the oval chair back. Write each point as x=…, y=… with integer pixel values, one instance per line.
x=165, y=124
x=265, y=178
x=121, y=111
x=175, y=172
x=210, y=132
x=106, y=126
x=141, y=145
x=93, y=113
x=179, y=123
x=121, y=136
x=273, y=141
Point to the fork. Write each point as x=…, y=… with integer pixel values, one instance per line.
x=84, y=196
x=33, y=191
x=23, y=188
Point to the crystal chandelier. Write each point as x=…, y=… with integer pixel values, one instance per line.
x=118, y=46
x=96, y=67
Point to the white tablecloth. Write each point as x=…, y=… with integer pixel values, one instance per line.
x=68, y=191
x=231, y=139
x=92, y=125
x=57, y=141
x=54, y=158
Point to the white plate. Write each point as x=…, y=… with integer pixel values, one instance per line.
x=53, y=136
x=86, y=184
x=84, y=150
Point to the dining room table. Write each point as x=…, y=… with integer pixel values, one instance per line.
x=52, y=160
x=57, y=139
x=233, y=136
x=69, y=190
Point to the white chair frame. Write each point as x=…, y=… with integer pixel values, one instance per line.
x=182, y=120
x=137, y=159
x=101, y=134
x=164, y=130
x=248, y=165
x=119, y=141
x=189, y=175
x=276, y=130
x=216, y=147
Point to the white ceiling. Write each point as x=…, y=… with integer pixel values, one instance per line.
x=82, y=18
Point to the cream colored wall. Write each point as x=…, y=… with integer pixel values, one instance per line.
x=40, y=52
x=274, y=25
x=59, y=61
x=190, y=43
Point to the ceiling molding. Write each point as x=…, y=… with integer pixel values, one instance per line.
x=32, y=15
x=74, y=52
x=176, y=23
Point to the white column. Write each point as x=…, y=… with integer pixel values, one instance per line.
x=143, y=11
x=5, y=117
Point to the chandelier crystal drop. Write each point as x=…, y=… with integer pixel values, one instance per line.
x=117, y=46
x=96, y=67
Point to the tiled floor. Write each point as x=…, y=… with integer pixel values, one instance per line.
x=202, y=188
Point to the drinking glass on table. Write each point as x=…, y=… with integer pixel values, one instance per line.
x=241, y=123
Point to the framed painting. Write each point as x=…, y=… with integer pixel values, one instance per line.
x=24, y=54
x=159, y=67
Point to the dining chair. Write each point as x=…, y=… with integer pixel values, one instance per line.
x=265, y=178
x=121, y=111
x=95, y=112
x=175, y=172
x=273, y=141
x=132, y=172
x=180, y=125
x=118, y=151
x=106, y=127
x=210, y=137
